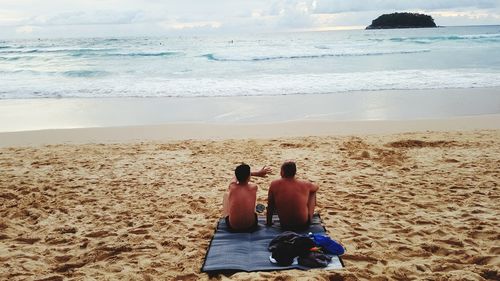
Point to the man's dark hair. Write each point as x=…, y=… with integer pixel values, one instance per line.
x=289, y=169
x=242, y=172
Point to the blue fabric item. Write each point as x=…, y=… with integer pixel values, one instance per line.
x=328, y=244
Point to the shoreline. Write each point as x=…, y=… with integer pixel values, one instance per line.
x=212, y=131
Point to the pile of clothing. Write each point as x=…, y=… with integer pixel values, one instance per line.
x=313, y=250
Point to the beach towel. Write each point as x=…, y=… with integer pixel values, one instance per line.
x=232, y=252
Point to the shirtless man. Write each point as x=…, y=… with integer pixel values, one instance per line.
x=239, y=201
x=293, y=199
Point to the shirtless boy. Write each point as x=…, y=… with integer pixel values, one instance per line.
x=293, y=199
x=239, y=201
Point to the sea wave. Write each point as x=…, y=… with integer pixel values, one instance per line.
x=322, y=47
x=85, y=73
x=69, y=73
x=255, y=85
x=145, y=54
x=215, y=57
x=131, y=54
x=20, y=71
x=29, y=51
x=62, y=50
x=494, y=37
x=102, y=52
x=15, y=58
x=113, y=39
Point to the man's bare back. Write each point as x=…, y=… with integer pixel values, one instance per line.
x=293, y=199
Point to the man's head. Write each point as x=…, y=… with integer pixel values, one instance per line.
x=288, y=169
x=242, y=173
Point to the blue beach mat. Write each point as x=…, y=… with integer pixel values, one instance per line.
x=233, y=252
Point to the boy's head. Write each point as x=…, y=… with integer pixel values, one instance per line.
x=242, y=173
x=288, y=169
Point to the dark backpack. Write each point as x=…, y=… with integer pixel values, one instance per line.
x=288, y=245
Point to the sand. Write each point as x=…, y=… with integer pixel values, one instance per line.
x=212, y=131
x=408, y=205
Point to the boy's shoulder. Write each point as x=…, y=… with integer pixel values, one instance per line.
x=249, y=185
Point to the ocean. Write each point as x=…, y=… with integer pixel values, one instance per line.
x=326, y=62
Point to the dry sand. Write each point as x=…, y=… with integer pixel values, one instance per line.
x=408, y=205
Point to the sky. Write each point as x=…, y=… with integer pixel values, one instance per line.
x=95, y=18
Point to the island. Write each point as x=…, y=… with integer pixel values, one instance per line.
x=402, y=20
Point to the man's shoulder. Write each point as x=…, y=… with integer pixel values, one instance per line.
x=276, y=182
x=305, y=182
x=309, y=184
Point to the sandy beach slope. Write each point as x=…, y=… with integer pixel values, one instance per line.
x=212, y=131
x=408, y=205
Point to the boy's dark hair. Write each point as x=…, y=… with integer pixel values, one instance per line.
x=242, y=172
x=289, y=169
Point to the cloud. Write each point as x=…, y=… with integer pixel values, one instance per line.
x=294, y=13
x=466, y=17
x=10, y=18
x=88, y=18
x=164, y=17
x=327, y=6
x=27, y=29
x=174, y=24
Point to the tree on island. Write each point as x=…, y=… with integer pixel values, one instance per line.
x=402, y=20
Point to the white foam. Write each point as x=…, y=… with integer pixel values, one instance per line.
x=255, y=85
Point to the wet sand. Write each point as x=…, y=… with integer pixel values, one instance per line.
x=67, y=113
x=204, y=131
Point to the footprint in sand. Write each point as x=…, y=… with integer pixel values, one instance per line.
x=485, y=260
x=68, y=266
x=359, y=257
x=28, y=240
x=106, y=252
x=63, y=259
x=139, y=231
x=101, y=233
x=51, y=278
x=451, y=241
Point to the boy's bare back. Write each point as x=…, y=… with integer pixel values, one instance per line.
x=241, y=201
